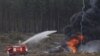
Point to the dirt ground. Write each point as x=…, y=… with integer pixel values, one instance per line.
x=45, y=44
x=54, y=54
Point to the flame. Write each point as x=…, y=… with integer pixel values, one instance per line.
x=74, y=42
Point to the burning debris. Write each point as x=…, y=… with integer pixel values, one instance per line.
x=74, y=42
x=83, y=32
x=86, y=22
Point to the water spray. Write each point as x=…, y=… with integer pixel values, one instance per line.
x=38, y=37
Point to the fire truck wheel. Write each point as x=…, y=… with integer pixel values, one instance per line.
x=10, y=54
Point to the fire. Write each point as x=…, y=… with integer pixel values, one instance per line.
x=74, y=42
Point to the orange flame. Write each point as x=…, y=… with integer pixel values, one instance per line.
x=74, y=42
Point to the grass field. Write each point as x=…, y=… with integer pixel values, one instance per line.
x=36, y=49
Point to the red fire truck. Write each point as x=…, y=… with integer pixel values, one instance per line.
x=17, y=50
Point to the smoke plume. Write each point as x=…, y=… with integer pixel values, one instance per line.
x=90, y=19
x=90, y=24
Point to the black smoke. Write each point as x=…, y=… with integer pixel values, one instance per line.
x=90, y=23
x=90, y=19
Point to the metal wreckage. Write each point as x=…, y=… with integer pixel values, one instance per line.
x=83, y=32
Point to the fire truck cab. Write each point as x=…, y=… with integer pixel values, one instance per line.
x=17, y=50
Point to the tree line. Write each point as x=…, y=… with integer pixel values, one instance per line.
x=36, y=15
